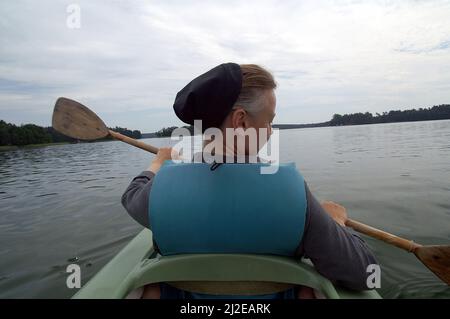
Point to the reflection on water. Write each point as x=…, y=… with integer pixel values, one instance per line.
x=62, y=203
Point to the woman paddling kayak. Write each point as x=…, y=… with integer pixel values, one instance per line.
x=227, y=206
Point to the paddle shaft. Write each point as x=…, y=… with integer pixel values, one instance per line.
x=77, y=121
x=405, y=244
x=133, y=142
x=436, y=258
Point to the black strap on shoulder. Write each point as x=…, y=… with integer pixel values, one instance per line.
x=215, y=165
x=155, y=246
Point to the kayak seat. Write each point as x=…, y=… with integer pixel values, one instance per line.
x=230, y=274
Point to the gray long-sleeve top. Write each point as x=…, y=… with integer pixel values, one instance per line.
x=336, y=252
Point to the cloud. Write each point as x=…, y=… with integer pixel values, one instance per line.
x=128, y=59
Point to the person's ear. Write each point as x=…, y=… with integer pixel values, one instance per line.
x=239, y=119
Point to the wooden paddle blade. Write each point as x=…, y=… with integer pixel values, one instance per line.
x=77, y=121
x=437, y=259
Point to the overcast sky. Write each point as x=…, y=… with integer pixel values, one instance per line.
x=128, y=59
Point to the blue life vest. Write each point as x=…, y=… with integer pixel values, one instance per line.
x=232, y=209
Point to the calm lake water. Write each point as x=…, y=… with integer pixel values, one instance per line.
x=62, y=203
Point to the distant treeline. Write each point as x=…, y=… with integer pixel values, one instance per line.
x=11, y=134
x=167, y=131
x=124, y=131
x=437, y=112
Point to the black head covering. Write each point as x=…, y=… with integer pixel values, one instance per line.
x=210, y=96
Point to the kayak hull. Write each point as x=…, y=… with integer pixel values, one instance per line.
x=138, y=264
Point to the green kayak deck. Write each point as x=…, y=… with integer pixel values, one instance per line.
x=137, y=264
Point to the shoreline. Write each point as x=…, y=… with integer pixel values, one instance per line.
x=16, y=147
x=279, y=126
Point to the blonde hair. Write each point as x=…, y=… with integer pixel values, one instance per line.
x=255, y=81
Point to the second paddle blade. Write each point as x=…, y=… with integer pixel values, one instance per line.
x=77, y=121
x=437, y=259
